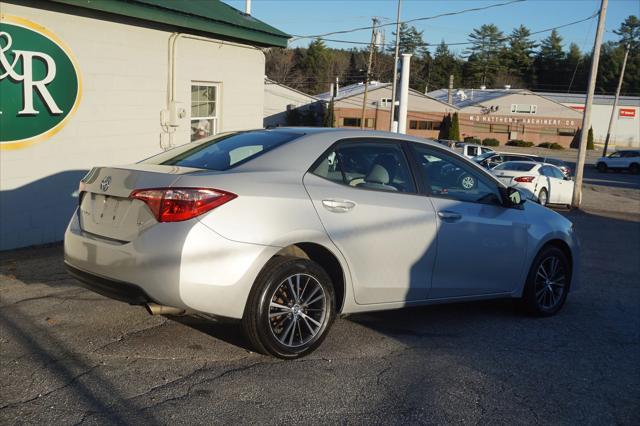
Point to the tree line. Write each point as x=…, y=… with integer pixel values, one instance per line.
x=491, y=59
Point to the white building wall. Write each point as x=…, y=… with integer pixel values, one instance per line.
x=124, y=72
x=626, y=130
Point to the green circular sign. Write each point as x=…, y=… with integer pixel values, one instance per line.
x=39, y=83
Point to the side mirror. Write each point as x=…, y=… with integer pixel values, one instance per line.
x=512, y=197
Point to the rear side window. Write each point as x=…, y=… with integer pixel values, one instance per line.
x=516, y=167
x=367, y=165
x=223, y=152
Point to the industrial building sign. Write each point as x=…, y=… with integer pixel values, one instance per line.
x=518, y=120
x=40, y=84
x=627, y=112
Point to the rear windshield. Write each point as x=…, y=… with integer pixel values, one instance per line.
x=223, y=152
x=516, y=167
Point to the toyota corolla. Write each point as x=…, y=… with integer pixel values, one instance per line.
x=285, y=228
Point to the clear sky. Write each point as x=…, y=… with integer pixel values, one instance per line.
x=311, y=17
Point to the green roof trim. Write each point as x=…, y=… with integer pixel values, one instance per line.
x=204, y=16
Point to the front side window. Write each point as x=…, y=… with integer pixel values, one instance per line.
x=204, y=110
x=615, y=155
x=448, y=177
x=367, y=165
x=223, y=152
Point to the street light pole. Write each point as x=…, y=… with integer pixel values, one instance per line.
x=586, y=118
x=395, y=70
x=615, y=102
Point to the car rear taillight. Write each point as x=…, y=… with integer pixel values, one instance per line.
x=524, y=179
x=178, y=204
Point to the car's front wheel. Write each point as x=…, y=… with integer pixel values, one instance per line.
x=543, y=197
x=548, y=282
x=602, y=167
x=290, y=308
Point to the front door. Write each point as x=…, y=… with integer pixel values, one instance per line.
x=481, y=244
x=365, y=196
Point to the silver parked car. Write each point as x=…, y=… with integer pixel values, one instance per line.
x=285, y=228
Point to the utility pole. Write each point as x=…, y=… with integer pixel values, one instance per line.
x=586, y=118
x=366, y=78
x=615, y=102
x=395, y=70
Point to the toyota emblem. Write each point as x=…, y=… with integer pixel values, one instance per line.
x=105, y=184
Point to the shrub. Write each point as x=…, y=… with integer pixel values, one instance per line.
x=454, y=131
x=550, y=145
x=472, y=139
x=575, y=143
x=445, y=125
x=520, y=143
x=490, y=142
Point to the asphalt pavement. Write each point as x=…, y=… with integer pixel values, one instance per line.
x=69, y=356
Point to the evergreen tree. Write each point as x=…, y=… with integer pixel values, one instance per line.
x=315, y=66
x=445, y=125
x=356, y=70
x=629, y=32
x=410, y=41
x=574, y=69
x=549, y=61
x=454, y=131
x=590, y=139
x=519, y=54
x=443, y=65
x=484, y=53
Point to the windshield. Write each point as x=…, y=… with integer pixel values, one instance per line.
x=515, y=166
x=223, y=152
x=481, y=157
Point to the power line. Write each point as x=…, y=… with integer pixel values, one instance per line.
x=466, y=43
x=426, y=18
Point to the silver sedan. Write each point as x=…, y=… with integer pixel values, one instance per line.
x=284, y=229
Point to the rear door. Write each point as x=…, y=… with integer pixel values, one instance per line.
x=366, y=197
x=481, y=244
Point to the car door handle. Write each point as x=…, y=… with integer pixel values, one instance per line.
x=338, y=206
x=449, y=216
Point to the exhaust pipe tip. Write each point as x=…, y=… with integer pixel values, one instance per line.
x=155, y=309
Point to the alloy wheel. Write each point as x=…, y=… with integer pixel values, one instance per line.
x=550, y=282
x=297, y=310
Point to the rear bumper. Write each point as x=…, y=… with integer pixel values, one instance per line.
x=183, y=264
x=113, y=289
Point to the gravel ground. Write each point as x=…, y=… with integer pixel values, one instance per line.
x=69, y=356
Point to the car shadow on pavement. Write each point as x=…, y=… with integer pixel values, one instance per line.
x=226, y=330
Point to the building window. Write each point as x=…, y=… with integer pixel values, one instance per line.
x=424, y=125
x=524, y=109
x=385, y=102
x=204, y=110
x=355, y=122
x=481, y=127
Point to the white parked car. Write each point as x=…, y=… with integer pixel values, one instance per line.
x=628, y=159
x=283, y=229
x=542, y=182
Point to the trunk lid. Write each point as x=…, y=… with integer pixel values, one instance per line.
x=105, y=207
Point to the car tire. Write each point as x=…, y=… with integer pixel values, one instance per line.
x=290, y=308
x=548, y=283
x=602, y=167
x=543, y=197
x=634, y=168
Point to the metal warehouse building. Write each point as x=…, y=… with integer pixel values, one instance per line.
x=506, y=114
x=89, y=83
x=626, y=124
